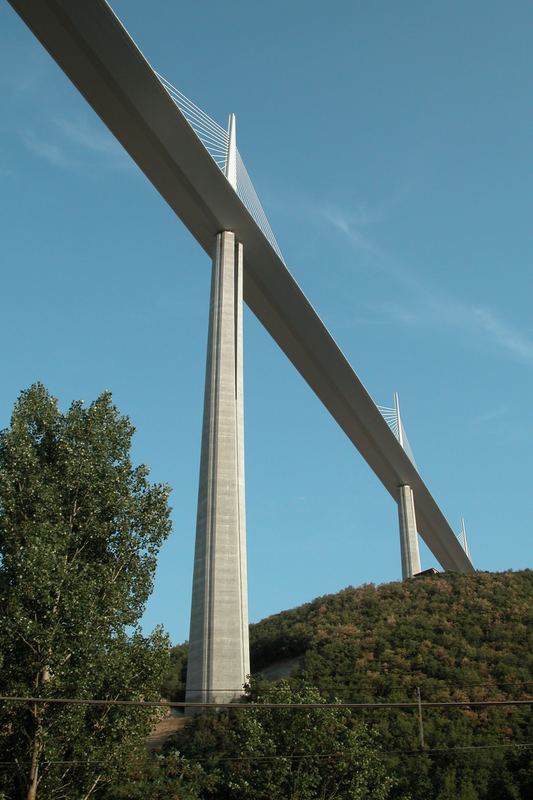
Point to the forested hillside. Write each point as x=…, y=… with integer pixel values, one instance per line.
x=452, y=635
x=455, y=637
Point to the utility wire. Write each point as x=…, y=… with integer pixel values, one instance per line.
x=406, y=684
x=248, y=706
x=304, y=756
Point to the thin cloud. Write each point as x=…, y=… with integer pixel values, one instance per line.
x=47, y=133
x=382, y=314
x=428, y=305
x=485, y=324
x=492, y=415
x=507, y=337
x=24, y=70
x=351, y=225
x=51, y=152
x=67, y=144
x=89, y=137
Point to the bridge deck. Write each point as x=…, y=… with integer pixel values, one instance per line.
x=104, y=63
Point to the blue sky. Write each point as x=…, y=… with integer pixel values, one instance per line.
x=390, y=144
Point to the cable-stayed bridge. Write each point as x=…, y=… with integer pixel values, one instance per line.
x=195, y=165
x=223, y=150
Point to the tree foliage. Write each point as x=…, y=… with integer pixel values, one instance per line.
x=263, y=753
x=457, y=637
x=80, y=528
x=167, y=776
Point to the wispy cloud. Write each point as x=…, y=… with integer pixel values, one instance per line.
x=85, y=136
x=505, y=335
x=38, y=118
x=47, y=150
x=69, y=143
x=24, y=69
x=483, y=322
x=389, y=312
x=353, y=225
x=492, y=415
x=428, y=305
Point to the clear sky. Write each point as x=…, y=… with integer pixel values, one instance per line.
x=391, y=145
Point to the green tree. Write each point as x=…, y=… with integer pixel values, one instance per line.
x=80, y=528
x=457, y=637
x=468, y=791
x=173, y=686
x=448, y=789
x=160, y=777
x=288, y=753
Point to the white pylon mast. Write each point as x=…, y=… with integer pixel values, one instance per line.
x=398, y=418
x=410, y=554
x=464, y=540
x=231, y=158
x=219, y=652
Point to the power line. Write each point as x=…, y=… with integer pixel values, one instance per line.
x=433, y=682
x=248, y=706
x=304, y=756
x=418, y=752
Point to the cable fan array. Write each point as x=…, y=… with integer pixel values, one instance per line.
x=393, y=420
x=216, y=141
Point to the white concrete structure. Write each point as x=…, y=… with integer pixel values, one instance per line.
x=92, y=47
x=410, y=555
x=408, y=535
x=90, y=44
x=219, y=661
x=409, y=550
x=219, y=651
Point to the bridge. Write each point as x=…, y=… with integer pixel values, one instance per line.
x=195, y=165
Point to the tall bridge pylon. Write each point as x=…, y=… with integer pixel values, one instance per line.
x=409, y=550
x=219, y=659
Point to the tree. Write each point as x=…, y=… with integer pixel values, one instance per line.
x=458, y=637
x=173, y=686
x=80, y=528
x=160, y=777
x=288, y=753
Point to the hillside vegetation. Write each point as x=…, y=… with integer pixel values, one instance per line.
x=455, y=637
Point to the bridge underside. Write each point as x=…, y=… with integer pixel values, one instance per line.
x=94, y=50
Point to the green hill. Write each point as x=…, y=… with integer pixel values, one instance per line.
x=446, y=633
x=455, y=637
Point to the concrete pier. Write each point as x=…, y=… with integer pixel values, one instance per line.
x=408, y=533
x=219, y=660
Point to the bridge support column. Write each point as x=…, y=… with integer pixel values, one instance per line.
x=219, y=660
x=408, y=534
